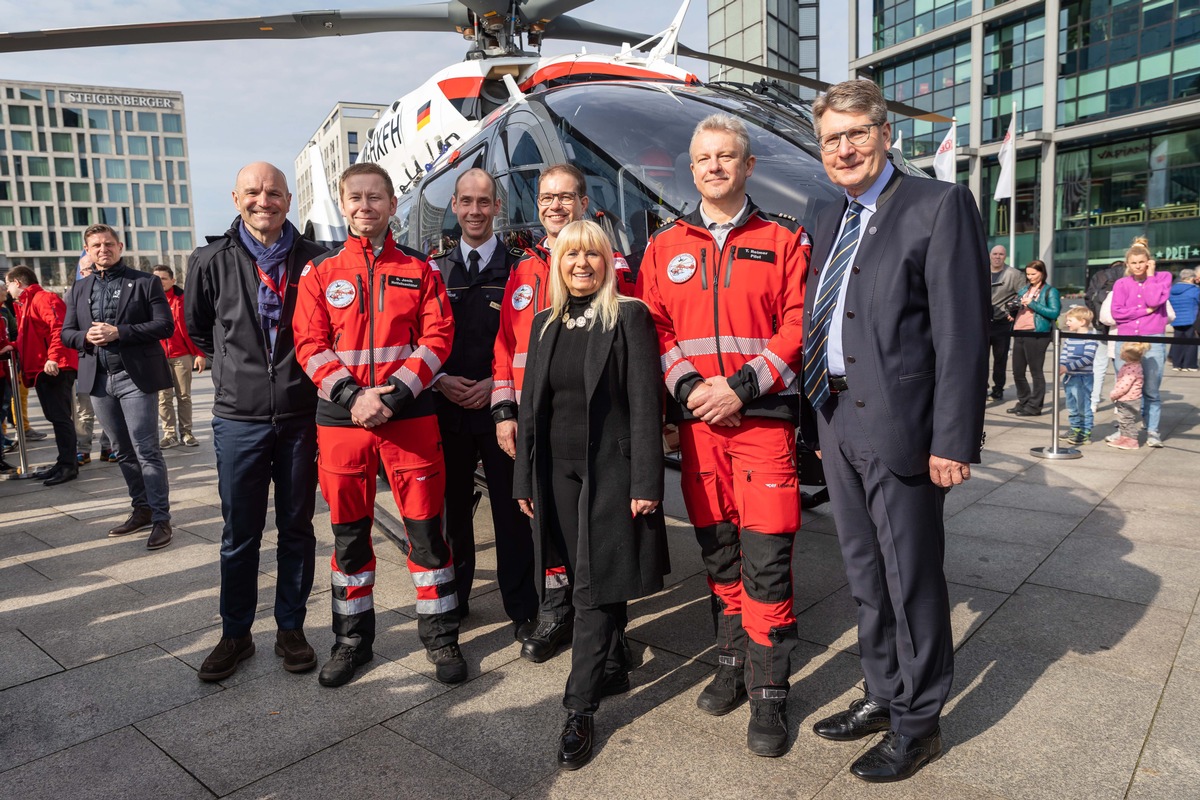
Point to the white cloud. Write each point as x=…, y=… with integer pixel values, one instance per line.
x=252, y=100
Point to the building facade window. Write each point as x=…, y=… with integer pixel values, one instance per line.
x=900, y=20
x=1120, y=56
x=937, y=81
x=1013, y=60
x=18, y=115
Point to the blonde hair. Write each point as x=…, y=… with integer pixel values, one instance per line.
x=584, y=235
x=1138, y=248
x=1133, y=351
x=1081, y=313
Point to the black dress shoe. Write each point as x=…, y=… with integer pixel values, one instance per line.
x=297, y=653
x=61, y=474
x=160, y=536
x=997, y=394
x=575, y=742
x=523, y=630
x=1023, y=413
x=863, y=718
x=224, y=659
x=547, y=638
x=1013, y=410
x=897, y=757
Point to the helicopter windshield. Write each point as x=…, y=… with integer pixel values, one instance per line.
x=631, y=141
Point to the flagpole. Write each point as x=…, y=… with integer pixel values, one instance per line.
x=1012, y=195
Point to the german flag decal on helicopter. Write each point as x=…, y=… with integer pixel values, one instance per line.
x=423, y=116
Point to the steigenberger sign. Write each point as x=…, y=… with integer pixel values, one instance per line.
x=131, y=100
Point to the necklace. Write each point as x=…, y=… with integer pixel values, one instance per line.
x=580, y=321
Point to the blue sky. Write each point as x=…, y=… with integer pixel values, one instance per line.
x=248, y=101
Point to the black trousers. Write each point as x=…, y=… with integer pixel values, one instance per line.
x=893, y=543
x=56, y=394
x=1029, y=354
x=999, y=338
x=514, y=539
x=596, y=649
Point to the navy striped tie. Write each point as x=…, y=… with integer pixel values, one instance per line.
x=816, y=358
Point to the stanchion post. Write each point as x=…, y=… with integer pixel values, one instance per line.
x=14, y=377
x=1054, y=451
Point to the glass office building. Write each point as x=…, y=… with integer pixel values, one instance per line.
x=1108, y=116
x=783, y=34
x=72, y=156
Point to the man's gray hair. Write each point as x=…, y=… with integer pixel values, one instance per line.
x=724, y=123
x=1187, y=274
x=852, y=97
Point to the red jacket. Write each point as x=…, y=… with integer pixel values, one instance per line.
x=736, y=311
x=363, y=320
x=39, y=333
x=526, y=293
x=180, y=344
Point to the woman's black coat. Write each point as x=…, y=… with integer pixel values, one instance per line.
x=627, y=557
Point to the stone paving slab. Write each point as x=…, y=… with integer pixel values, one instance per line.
x=1135, y=571
x=1152, y=526
x=290, y=713
x=1170, y=762
x=1104, y=634
x=47, y=715
x=375, y=763
x=1031, y=727
x=122, y=764
x=21, y=660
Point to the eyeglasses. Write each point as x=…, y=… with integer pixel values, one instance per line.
x=566, y=198
x=855, y=136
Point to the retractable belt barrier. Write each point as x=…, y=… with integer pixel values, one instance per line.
x=1062, y=453
x=14, y=379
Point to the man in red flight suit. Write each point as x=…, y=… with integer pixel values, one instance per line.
x=725, y=285
x=182, y=356
x=561, y=200
x=378, y=327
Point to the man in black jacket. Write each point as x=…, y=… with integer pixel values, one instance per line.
x=476, y=271
x=117, y=318
x=241, y=290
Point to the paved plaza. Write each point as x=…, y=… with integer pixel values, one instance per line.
x=1073, y=583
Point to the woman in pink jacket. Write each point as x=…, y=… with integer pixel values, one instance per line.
x=1139, y=306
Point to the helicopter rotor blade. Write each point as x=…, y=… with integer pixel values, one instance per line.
x=547, y=10
x=428, y=17
x=581, y=30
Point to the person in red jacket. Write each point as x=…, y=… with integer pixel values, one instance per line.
x=561, y=200
x=377, y=330
x=182, y=356
x=725, y=285
x=47, y=364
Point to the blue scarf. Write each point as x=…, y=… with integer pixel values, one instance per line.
x=273, y=262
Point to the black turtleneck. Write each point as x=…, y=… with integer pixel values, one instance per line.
x=568, y=403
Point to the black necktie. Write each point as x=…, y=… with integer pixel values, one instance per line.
x=473, y=266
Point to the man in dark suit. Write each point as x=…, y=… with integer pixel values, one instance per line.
x=895, y=335
x=116, y=318
x=476, y=272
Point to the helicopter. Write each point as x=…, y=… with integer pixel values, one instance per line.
x=625, y=119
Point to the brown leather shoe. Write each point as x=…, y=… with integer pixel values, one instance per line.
x=224, y=659
x=140, y=518
x=160, y=537
x=297, y=653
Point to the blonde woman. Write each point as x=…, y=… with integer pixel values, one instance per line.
x=1139, y=307
x=589, y=463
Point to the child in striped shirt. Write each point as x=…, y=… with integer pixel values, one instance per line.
x=1075, y=361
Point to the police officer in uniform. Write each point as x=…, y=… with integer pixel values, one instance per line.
x=476, y=271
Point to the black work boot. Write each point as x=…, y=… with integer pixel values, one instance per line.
x=727, y=689
x=344, y=659
x=546, y=640
x=449, y=664
x=767, y=733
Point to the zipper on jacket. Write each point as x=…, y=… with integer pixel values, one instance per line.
x=537, y=294
x=368, y=258
x=729, y=267
x=704, y=268
x=717, y=307
x=382, y=289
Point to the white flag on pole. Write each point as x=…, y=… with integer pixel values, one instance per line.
x=944, y=165
x=1008, y=162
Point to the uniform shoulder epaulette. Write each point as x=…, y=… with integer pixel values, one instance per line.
x=787, y=220
x=517, y=252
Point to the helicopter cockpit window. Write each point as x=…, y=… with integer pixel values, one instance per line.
x=631, y=140
x=435, y=217
x=522, y=148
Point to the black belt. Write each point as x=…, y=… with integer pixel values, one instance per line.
x=837, y=383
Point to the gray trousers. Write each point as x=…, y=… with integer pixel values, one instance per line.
x=131, y=418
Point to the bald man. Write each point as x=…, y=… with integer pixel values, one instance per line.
x=241, y=290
